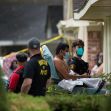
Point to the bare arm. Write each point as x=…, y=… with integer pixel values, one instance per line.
x=48, y=83
x=64, y=72
x=26, y=85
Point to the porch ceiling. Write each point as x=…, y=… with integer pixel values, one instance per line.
x=96, y=11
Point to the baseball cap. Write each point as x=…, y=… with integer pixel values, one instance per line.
x=34, y=43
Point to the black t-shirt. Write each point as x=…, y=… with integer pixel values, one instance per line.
x=79, y=66
x=39, y=71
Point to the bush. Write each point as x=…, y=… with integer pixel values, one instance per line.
x=18, y=102
x=77, y=103
x=3, y=100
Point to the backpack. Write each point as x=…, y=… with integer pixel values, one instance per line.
x=47, y=55
x=79, y=66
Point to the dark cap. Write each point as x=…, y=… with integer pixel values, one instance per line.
x=34, y=43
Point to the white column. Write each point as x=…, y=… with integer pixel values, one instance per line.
x=84, y=36
x=107, y=45
x=68, y=9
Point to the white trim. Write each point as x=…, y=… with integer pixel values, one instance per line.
x=6, y=43
x=85, y=9
x=10, y=43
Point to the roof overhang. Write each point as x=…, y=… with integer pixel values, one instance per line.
x=94, y=10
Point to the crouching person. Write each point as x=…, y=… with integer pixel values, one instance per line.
x=16, y=78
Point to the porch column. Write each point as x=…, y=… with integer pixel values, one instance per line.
x=107, y=45
x=68, y=9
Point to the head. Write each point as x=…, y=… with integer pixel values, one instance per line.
x=62, y=49
x=34, y=46
x=99, y=59
x=78, y=47
x=13, y=65
x=21, y=58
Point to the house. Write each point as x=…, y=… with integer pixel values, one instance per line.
x=89, y=31
x=22, y=19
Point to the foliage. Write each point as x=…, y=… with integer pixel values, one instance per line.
x=27, y=103
x=76, y=103
x=3, y=100
x=63, y=102
x=59, y=100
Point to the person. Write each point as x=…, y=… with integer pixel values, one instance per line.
x=78, y=65
x=16, y=78
x=98, y=67
x=62, y=68
x=13, y=66
x=36, y=72
x=47, y=55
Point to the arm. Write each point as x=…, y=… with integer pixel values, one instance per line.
x=48, y=83
x=26, y=85
x=13, y=82
x=28, y=76
x=64, y=72
x=100, y=69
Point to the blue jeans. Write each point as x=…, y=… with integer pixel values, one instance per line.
x=82, y=90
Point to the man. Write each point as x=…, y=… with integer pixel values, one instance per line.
x=36, y=72
x=16, y=78
x=78, y=65
x=61, y=65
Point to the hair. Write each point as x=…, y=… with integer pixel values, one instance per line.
x=21, y=57
x=99, y=59
x=61, y=46
x=12, y=67
x=78, y=42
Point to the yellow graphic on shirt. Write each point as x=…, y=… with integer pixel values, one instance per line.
x=72, y=66
x=43, y=62
x=43, y=72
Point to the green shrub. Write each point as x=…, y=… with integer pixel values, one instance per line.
x=18, y=102
x=77, y=103
x=3, y=100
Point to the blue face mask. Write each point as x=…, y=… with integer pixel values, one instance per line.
x=80, y=52
x=67, y=56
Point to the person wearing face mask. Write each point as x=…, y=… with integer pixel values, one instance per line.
x=78, y=65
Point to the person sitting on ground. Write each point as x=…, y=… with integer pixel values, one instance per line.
x=78, y=65
x=61, y=65
x=16, y=78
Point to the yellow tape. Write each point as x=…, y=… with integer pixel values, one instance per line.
x=45, y=42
